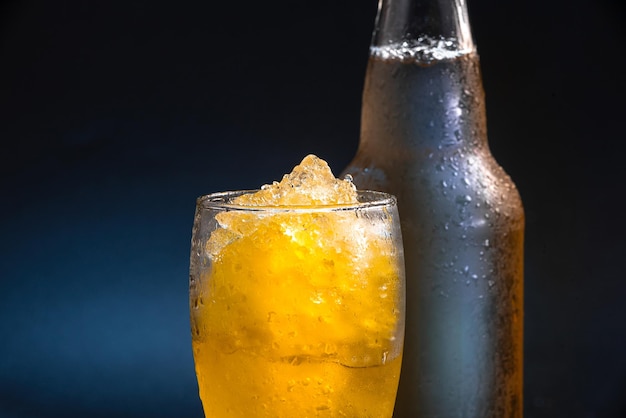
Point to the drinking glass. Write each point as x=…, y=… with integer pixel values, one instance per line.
x=297, y=311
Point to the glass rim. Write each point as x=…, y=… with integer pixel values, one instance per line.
x=368, y=199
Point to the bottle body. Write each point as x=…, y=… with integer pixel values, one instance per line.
x=423, y=139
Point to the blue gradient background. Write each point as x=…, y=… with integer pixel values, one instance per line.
x=115, y=116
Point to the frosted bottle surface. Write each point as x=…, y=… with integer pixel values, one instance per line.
x=423, y=139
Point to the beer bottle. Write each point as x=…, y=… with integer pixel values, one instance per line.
x=423, y=138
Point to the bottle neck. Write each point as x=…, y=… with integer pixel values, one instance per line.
x=423, y=89
x=429, y=29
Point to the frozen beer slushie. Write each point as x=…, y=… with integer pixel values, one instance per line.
x=297, y=299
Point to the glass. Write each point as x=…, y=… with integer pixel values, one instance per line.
x=297, y=311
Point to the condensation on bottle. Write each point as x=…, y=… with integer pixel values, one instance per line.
x=424, y=139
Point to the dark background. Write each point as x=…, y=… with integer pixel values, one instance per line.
x=115, y=115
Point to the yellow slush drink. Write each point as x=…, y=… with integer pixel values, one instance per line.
x=298, y=307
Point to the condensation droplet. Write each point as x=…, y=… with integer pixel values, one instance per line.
x=464, y=200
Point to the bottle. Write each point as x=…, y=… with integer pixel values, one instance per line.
x=423, y=139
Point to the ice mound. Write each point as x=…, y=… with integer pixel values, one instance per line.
x=310, y=183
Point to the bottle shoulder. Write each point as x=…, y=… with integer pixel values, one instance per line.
x=446, y=179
